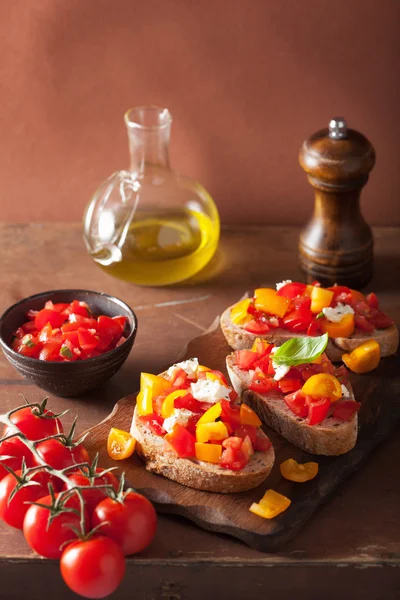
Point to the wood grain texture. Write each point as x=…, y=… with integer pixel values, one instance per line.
x=379, y=393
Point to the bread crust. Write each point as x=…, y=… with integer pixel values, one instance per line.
x=198, y=474
x=240, y=339
x=332, y=437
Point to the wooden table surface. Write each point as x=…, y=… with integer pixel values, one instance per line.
x=350, y=548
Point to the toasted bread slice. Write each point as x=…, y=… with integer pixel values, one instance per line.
x=198, y=474
x=240, y=339
x=331, y=437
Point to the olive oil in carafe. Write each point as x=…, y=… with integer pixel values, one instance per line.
x=163, y=248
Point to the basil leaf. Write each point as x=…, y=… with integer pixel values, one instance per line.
x=301, y=350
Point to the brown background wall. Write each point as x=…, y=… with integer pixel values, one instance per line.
x=246, y=82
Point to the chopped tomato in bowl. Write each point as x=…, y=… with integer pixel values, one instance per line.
x=68, y=341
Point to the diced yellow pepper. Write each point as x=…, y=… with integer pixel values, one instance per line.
x=271, y=505
x=144, y=402
x=344, y=328
x=211, y=414
x=208, y=452
x=320, y=298
x=267, y=300
x=156, y=383
x=214, y=377
x=364, y=358
x=167, y=407
x=323, y=385
x=201, y=368
x=258, y=344
x=294, y=471
x=248, y=416
x=211, y=431
x=239, y=313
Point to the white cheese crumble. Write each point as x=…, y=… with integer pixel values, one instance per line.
x=274, y=349
x=280, y=371
x=189, y=366
x=335, y=315
x=180, y=416
x=282, y=284
x=345, y=391
x=206, y=390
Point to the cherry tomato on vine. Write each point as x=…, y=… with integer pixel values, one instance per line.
x=16, y=450
x=13, y=512
x=93, y=568
x=131, y=523
x=33, y=425
x=59, y=456
x=93, y=496
x=49, y=539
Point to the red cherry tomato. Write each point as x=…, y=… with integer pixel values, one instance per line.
x=289, y=384
x=13, y=512
x=93, y=568
x=345, y=409
x=379, y=319
x=16, y=450
x=363, y=324
x=47, y=539
x=233, y=459
x=59, y=456
x=131, y=523
x=263, y=443
x=34, y=425
x=230, y=414
x=182, y=441
x=298, y=320
x=93, y=496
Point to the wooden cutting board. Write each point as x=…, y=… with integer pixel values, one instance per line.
x=379, y=393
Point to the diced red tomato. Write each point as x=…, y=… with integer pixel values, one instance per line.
x=298, y=320
x=234, y=442
x=31, y=314
x=345, y=409
x=297, y=403
x=257, y=327
x=247, y=430
x=341, y=293
x=316, y=283
x=83, y=321
x=48, y=316
x=154, y=423
x=220, y=376
x=46, y=333
x=121, y=321
x=291, y=290
x=308, y=370
x=71, y=336
x=372, y=300
x=379, y=319
x=264, y=364
x=112, y=326
x=29, y=327
x=263, y=443
x=317, y=409
x=88, y=340
x=80, y=308
x=191, y=404
x=29, y=345
x=301, y=302
x=233, y=459
x=261, y=348
x=342, y=374
x=50, y=351
x=313, y=328
x=182, y=441
x=362, y=323
x=289, y=384
x=230, y=414
x=262, y=383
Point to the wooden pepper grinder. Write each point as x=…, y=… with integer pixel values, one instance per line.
x=336, y=246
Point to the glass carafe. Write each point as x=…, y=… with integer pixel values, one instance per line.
x=151, y=225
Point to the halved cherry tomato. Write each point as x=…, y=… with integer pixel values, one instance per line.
x=232, y=459
x=299, y=472
x=291, y=290
x=120, y=444
x=379, y=319
x=317, y=409
x=362, y=323
x=298, y=320
x=323, y=385
x=289, y=384
x=345, y=409
x=372, y=300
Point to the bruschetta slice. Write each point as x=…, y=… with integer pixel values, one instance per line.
x=189, y=428
x=296, y=309
x=306, y=400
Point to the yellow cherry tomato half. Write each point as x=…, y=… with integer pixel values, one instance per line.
x=364, y=358
x=120, y=444
x=294, y=471
x=323, y=385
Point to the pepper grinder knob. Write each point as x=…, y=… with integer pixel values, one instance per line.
x=336, y=246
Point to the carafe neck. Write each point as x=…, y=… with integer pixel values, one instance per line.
x=149, y=130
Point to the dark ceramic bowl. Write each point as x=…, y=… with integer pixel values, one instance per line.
x=68, y=378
